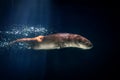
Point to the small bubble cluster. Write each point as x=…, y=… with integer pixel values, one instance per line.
x=26, y=30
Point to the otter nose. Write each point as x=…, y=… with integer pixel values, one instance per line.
x=89, y=44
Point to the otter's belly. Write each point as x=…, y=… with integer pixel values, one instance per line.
x=51, y=45
x=71, y=44
x=45, y=46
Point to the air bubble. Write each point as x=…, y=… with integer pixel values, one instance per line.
x=21, y=31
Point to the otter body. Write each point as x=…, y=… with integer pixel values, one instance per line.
x=62, y=40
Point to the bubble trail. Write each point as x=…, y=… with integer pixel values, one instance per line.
x=19, y=31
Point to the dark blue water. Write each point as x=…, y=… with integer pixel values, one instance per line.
x=58, y=16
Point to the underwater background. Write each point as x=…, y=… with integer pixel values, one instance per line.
x=30, y=18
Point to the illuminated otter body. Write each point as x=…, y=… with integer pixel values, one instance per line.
x=57, y=41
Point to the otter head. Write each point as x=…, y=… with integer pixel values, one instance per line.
x=84, y=43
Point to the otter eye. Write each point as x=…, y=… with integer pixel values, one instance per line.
x=86, y=43
x=79, y=41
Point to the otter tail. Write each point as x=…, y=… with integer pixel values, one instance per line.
x=20, y=40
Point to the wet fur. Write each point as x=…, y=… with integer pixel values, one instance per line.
x=62, y=40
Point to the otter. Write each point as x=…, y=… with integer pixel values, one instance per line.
x=56, y=41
